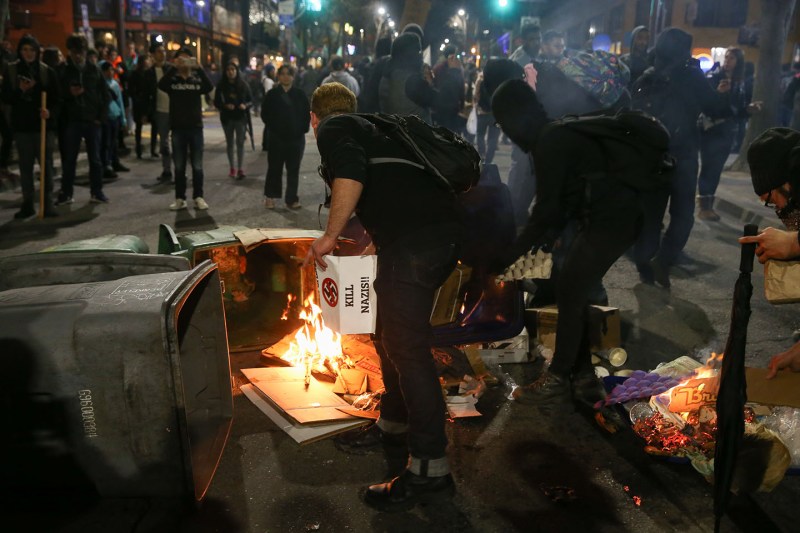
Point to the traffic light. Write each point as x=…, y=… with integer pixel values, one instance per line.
x=502, y=4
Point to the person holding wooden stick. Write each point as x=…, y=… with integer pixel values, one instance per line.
x=30, y=88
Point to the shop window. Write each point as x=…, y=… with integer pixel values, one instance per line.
x=721, y=13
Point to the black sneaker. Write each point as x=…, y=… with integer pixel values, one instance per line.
x=660, y=273
x=369, y=440
x=108, y=173
x=406, y=490
x=119, y=167
x=26, y=212
x=99, y=198
x=548, y=391
x=63, y=198
x=165, y=176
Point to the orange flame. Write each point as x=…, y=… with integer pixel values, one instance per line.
x=315, y=345
x=289, y=299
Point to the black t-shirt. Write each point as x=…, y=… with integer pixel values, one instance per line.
x=398, y=199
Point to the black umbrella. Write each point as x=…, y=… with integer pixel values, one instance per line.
x=732, y=393
x=250, y=129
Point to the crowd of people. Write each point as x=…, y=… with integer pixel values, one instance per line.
x=95, y=95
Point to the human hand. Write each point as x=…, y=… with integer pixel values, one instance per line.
x=774, y=244
x=26, y=84
x=76, y=90
x=242, y=106
x=788, y=359
x=44, y=113
x=724, y=86
x=754, y=107
x=319, y=248
x=230, y=106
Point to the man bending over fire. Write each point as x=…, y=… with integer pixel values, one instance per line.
x=610, y=218
x=414, y=226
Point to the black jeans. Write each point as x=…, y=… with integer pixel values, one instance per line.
x=284, y=153
x=409, y=272
x=5, y=145
x=612, y=226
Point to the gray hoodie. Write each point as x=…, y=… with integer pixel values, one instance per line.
x=341, y=76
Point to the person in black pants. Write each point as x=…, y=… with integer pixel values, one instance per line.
x=140, y=99
x=285, y=111
x=415, y=227
x=609, y=215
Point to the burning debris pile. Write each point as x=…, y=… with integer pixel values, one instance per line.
x=673, y=409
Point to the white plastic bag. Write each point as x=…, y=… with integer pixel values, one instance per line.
x=472, y=122
x=347, y=295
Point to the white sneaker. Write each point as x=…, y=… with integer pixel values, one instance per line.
x=200, y=204
x=269, y=203
x=178, y=204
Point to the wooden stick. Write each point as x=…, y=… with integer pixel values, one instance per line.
x=42, y=151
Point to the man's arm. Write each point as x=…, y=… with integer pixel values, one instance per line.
x=344, y=198
x=774, y=244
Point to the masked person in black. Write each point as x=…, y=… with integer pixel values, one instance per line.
x=414, y=225
x=609, y=215
x=23, y=83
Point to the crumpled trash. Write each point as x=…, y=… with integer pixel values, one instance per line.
x=785, y=421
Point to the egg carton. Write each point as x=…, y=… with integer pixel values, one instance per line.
x=529, y=266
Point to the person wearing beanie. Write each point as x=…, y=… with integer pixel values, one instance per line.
x=233, y=98
x=774, y=159
x=186, y=84
x=674, y=91
x=402, y=89
x=610, y=213
x=84, y=111
x=24, y=81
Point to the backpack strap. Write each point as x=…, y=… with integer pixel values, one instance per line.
x=383, y=160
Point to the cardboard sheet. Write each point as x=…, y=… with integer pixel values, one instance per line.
x=251, y=238
x=285, y=387
x=301, y=434
x=783, y=389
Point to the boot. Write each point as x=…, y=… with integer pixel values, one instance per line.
x=707, y=212
x=408, y=489
x=548, y=392
x=26, y=211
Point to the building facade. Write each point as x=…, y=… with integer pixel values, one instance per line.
x=212, y=28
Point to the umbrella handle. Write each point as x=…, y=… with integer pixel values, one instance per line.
x=748, y=250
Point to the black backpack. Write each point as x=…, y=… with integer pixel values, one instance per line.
x=445, y=155
x=636, y=146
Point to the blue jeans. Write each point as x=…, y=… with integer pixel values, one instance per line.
x=74, y=132
x=188, y=142
x=681, y=212
x=487, y=136
x=715, y=145
x=159, y=132
x=521, y=184
x=409, y=272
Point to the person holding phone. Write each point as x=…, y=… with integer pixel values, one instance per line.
x=185, y=85
x=24, y=81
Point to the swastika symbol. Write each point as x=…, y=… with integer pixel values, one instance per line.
x=330, y=292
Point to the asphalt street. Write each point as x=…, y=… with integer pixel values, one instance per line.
x=515, y=469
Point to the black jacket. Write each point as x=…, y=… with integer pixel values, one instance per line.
x=139, y=92
x=25, y=106
x=287, y=114
x=185, y=103
x=235, y=93
x=92, y=104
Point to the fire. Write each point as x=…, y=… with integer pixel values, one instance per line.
x=315, y=346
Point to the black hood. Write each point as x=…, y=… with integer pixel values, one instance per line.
x=634, y=33
x=498, y=71
x=31, y=40
x=407, y=51
x=416, y=29
x=673, y=47
x=383, y=47
x=519, y=113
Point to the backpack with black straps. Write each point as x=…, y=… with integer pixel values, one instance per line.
x=450, y=158
x=635, y=144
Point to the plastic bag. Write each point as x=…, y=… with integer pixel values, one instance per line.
x=472, y=122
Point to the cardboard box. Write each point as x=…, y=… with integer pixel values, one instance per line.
x=604, y=326
x=515, y=350
x=450, y=296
